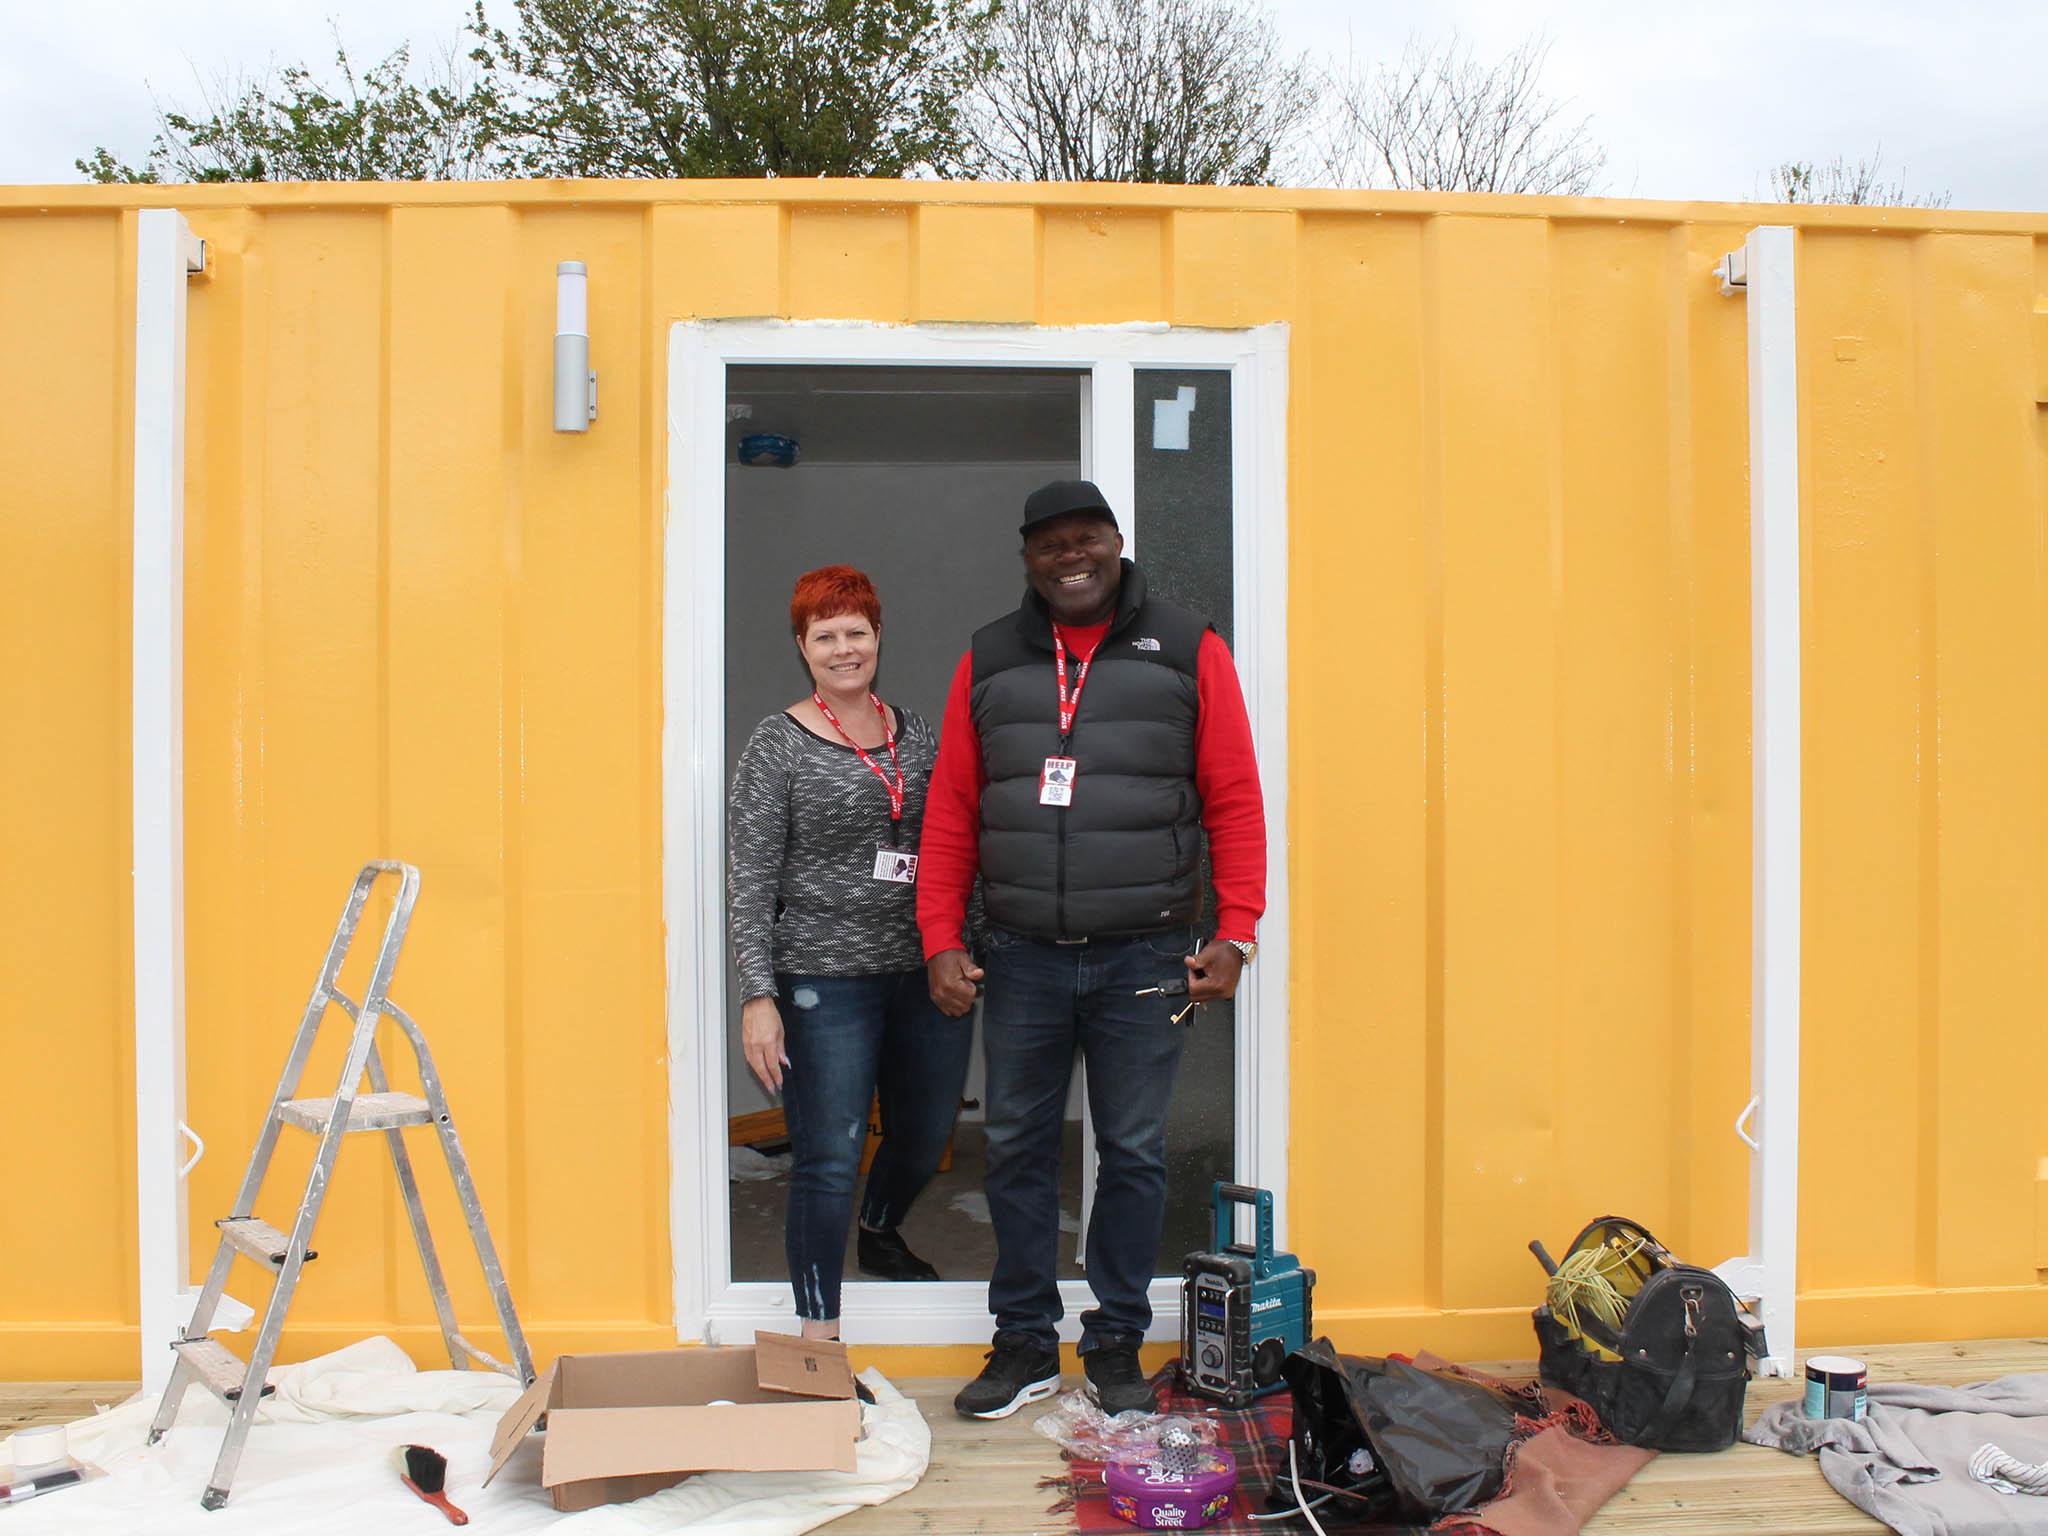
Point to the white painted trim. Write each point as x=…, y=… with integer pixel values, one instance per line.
x=166, y=252
x=1258, y=456
x=1770, y=1270
x=693, y=751
x=1112, y=395
x=708, y=1304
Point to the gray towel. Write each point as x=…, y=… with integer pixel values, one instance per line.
x=1908, y=1462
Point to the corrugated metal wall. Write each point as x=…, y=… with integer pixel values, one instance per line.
x=421, y=624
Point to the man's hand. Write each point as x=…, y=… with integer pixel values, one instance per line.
x=951, y=977
x=761, y=1041
x=1213, y=971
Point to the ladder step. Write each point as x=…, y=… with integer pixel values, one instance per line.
x=369, y=1112
x=218, y=1368
x=489, y=1361
x=259, y=1240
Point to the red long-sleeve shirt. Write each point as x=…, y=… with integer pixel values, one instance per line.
x=1226, y=777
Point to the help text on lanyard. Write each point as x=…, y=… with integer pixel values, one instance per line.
x=889, y=738
x=1070, y=704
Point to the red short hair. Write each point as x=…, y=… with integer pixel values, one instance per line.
x=828, y=592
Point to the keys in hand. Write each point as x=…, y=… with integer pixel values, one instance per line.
x=1175, y=987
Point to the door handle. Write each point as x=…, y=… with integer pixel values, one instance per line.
x=198, y=1149
x=1742, y=1119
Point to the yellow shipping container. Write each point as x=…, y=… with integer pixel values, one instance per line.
x=421, y=624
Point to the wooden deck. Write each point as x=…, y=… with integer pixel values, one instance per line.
x=988, y=1477
x=992, y=1478
x=24, y=1404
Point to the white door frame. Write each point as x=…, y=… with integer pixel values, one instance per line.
x=709, y=1305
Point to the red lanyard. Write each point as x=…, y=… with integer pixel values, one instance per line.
x=888, y=736
x=1070, y=704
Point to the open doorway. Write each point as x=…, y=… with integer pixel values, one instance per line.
x=908, y=454
x=915, y=476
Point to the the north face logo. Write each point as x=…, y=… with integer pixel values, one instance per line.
x=1146, y=644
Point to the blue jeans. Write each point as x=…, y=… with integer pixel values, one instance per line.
x=849, y=1038
x=1044, y=1001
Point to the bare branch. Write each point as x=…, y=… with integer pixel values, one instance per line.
x=1443, y=121
x=1193, y=91
x=1840, y=181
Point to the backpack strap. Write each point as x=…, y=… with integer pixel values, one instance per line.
x=1679, y=1394
x=1676, y=1398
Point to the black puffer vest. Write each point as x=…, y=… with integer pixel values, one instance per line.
x=1126, y=856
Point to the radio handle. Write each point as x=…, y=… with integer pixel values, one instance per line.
x=1261, y=1200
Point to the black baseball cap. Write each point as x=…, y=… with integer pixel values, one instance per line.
x=1063, y=498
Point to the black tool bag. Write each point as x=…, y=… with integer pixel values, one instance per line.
x=1668, y=1374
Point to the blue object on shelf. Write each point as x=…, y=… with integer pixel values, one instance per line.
x=770, y=448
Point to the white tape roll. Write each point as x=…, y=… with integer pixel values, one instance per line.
x=37, y=1447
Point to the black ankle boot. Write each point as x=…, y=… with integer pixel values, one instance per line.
x=887, y=1257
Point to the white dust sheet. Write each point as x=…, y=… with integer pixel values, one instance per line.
x=318, y=1459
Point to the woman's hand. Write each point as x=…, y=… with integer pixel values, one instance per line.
x=761, y=1041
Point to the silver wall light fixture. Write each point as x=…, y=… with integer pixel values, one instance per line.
x=575, y=380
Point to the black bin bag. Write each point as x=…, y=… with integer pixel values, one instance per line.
x=1433, y=1442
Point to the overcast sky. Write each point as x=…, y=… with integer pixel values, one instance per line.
x=1693, y=101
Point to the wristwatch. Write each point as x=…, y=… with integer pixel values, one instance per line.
x=1245, y=947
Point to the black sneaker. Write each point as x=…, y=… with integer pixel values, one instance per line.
x=1020, y=1370
x=1114, y=1378
x=887, y=1257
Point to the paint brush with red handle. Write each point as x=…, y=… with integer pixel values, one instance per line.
x=425, y=1471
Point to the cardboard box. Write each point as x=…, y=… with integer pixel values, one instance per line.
x=623, y=1426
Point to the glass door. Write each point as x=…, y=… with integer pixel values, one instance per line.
x=913, y=452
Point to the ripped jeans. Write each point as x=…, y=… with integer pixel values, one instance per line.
x=849, y=1039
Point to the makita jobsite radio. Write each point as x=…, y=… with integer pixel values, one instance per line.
x=1243, y=1310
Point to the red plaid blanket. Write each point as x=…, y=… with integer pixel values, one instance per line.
x=1558, y=1475
x=1256, y=1436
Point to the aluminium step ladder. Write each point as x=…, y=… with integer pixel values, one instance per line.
x=205, y=1361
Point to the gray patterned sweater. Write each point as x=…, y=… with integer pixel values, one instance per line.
x=803, y=820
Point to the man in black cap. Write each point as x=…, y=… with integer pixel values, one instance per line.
x=1091, y=738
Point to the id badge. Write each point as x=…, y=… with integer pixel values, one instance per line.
x=1056, y=781
x=892, y=864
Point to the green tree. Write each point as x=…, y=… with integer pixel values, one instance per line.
x=731, y=87
x=378, y=124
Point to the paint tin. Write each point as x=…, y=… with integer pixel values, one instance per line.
x=1836, y=1387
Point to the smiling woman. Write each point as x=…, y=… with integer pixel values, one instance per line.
x=825, y=810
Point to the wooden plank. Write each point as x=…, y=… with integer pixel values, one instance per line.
x=761, y=1125
x=23, y=1405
